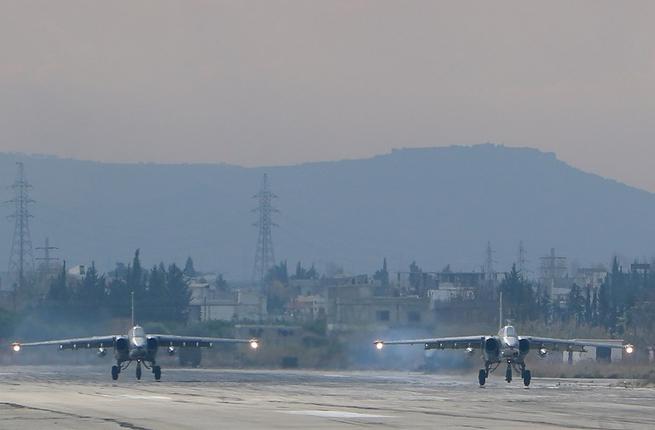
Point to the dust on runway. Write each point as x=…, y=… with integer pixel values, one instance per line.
x=35, y=397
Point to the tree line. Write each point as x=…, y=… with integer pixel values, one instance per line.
x=623, y=305
x=160, y=293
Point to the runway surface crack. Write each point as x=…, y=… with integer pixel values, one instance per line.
x=120, y=423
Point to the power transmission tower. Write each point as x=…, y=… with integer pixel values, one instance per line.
x=522, y=261
x=489, y=272
x=46, y=265
x=553, y=271
x=21, y=258
x=264, y=255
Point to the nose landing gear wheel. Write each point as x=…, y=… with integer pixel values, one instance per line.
x=508, y=374
x=115, y=370
x=138, y=371
x=157, y=371
x=482, y=377
x=527, y=376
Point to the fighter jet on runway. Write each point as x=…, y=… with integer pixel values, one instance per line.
x=505, y=347
x=136, y=346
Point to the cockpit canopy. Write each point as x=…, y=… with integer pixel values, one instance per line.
x=508, y=331
x=138, y=332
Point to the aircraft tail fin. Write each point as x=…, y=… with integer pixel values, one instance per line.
x=132, y=294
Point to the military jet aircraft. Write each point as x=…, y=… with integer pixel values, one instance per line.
x=136, y=346
x=506, y=347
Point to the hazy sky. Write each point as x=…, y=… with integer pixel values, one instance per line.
x=276, y=82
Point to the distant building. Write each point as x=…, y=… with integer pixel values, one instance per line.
x=457, y=286
x=309, y=307
x=307, y=287
x=640, y=268
x=598, y=354
x=357, y=305
x=590, y=277
x=554, y=281
x=77, y=272
x=210, y=304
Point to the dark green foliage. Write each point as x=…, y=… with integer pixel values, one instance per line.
x=221, y=284
x=58, y=294
x=576, y=304
x=189, y=270
x=277, y=290
x=302, y=273
x=519, y=299
x=278, y=273
x=177, y=295
x=136, y=281
x=90, y=296
x=160, y=294
x=415, y=276
x=382, y=275
x=7, y=324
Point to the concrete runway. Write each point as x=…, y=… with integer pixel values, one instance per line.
x=35, y=397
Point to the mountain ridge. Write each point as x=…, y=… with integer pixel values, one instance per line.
x=435, y=205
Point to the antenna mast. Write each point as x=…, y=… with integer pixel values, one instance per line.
x=500, y=316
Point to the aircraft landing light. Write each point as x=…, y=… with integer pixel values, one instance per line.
x=16, y=347
x=629, y=349
x=254, y=344
x=379, y=345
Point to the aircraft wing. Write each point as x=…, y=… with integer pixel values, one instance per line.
x=198, y=342
x=77, y=343
x=567, y=344
x=438, y=343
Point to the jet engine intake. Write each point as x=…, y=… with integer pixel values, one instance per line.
x=524, y=347
x=122, y=344
x=491, y=349
x=152, y=344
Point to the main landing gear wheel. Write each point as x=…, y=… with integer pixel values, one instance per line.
x=138, y=371
x=115, y=370
x=482, y=377
x=157, y=371
x=508, y=374
x=527, y=376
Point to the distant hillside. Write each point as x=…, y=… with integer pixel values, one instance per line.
x=434, y=205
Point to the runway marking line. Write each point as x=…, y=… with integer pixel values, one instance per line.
x=335, y=414
x=135, y=397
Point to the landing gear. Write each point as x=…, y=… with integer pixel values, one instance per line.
x=482, y=377
x=138, y=370
x=508, y=373
x=157, y=371
x=489, y=367
x=115, y=370
x=527, y=376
